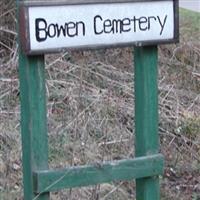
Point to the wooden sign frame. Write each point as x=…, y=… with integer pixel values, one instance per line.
x=148, y=163
x=25, y=33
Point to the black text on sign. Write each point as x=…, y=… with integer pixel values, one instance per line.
x=92, y=25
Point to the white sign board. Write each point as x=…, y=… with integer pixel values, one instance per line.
x=50, y=27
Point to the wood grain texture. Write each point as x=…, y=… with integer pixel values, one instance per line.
x=51, y=180
x=146, y=116
x=33, y=119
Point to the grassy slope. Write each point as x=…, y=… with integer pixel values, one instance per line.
x=190, y=24
x=90, y=108
x=180, y=127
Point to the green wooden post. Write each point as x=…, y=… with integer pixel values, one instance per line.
x=146, y=116
x=33, y=120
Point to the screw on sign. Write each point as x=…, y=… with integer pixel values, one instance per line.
x=47, y=26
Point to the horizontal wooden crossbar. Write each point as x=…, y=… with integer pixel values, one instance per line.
x=51, y=180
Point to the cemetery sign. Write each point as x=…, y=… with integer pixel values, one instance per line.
x=47, y=26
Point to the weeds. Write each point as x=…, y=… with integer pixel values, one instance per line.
x=91, y=113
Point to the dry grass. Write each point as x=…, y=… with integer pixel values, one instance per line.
x=90, y=113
